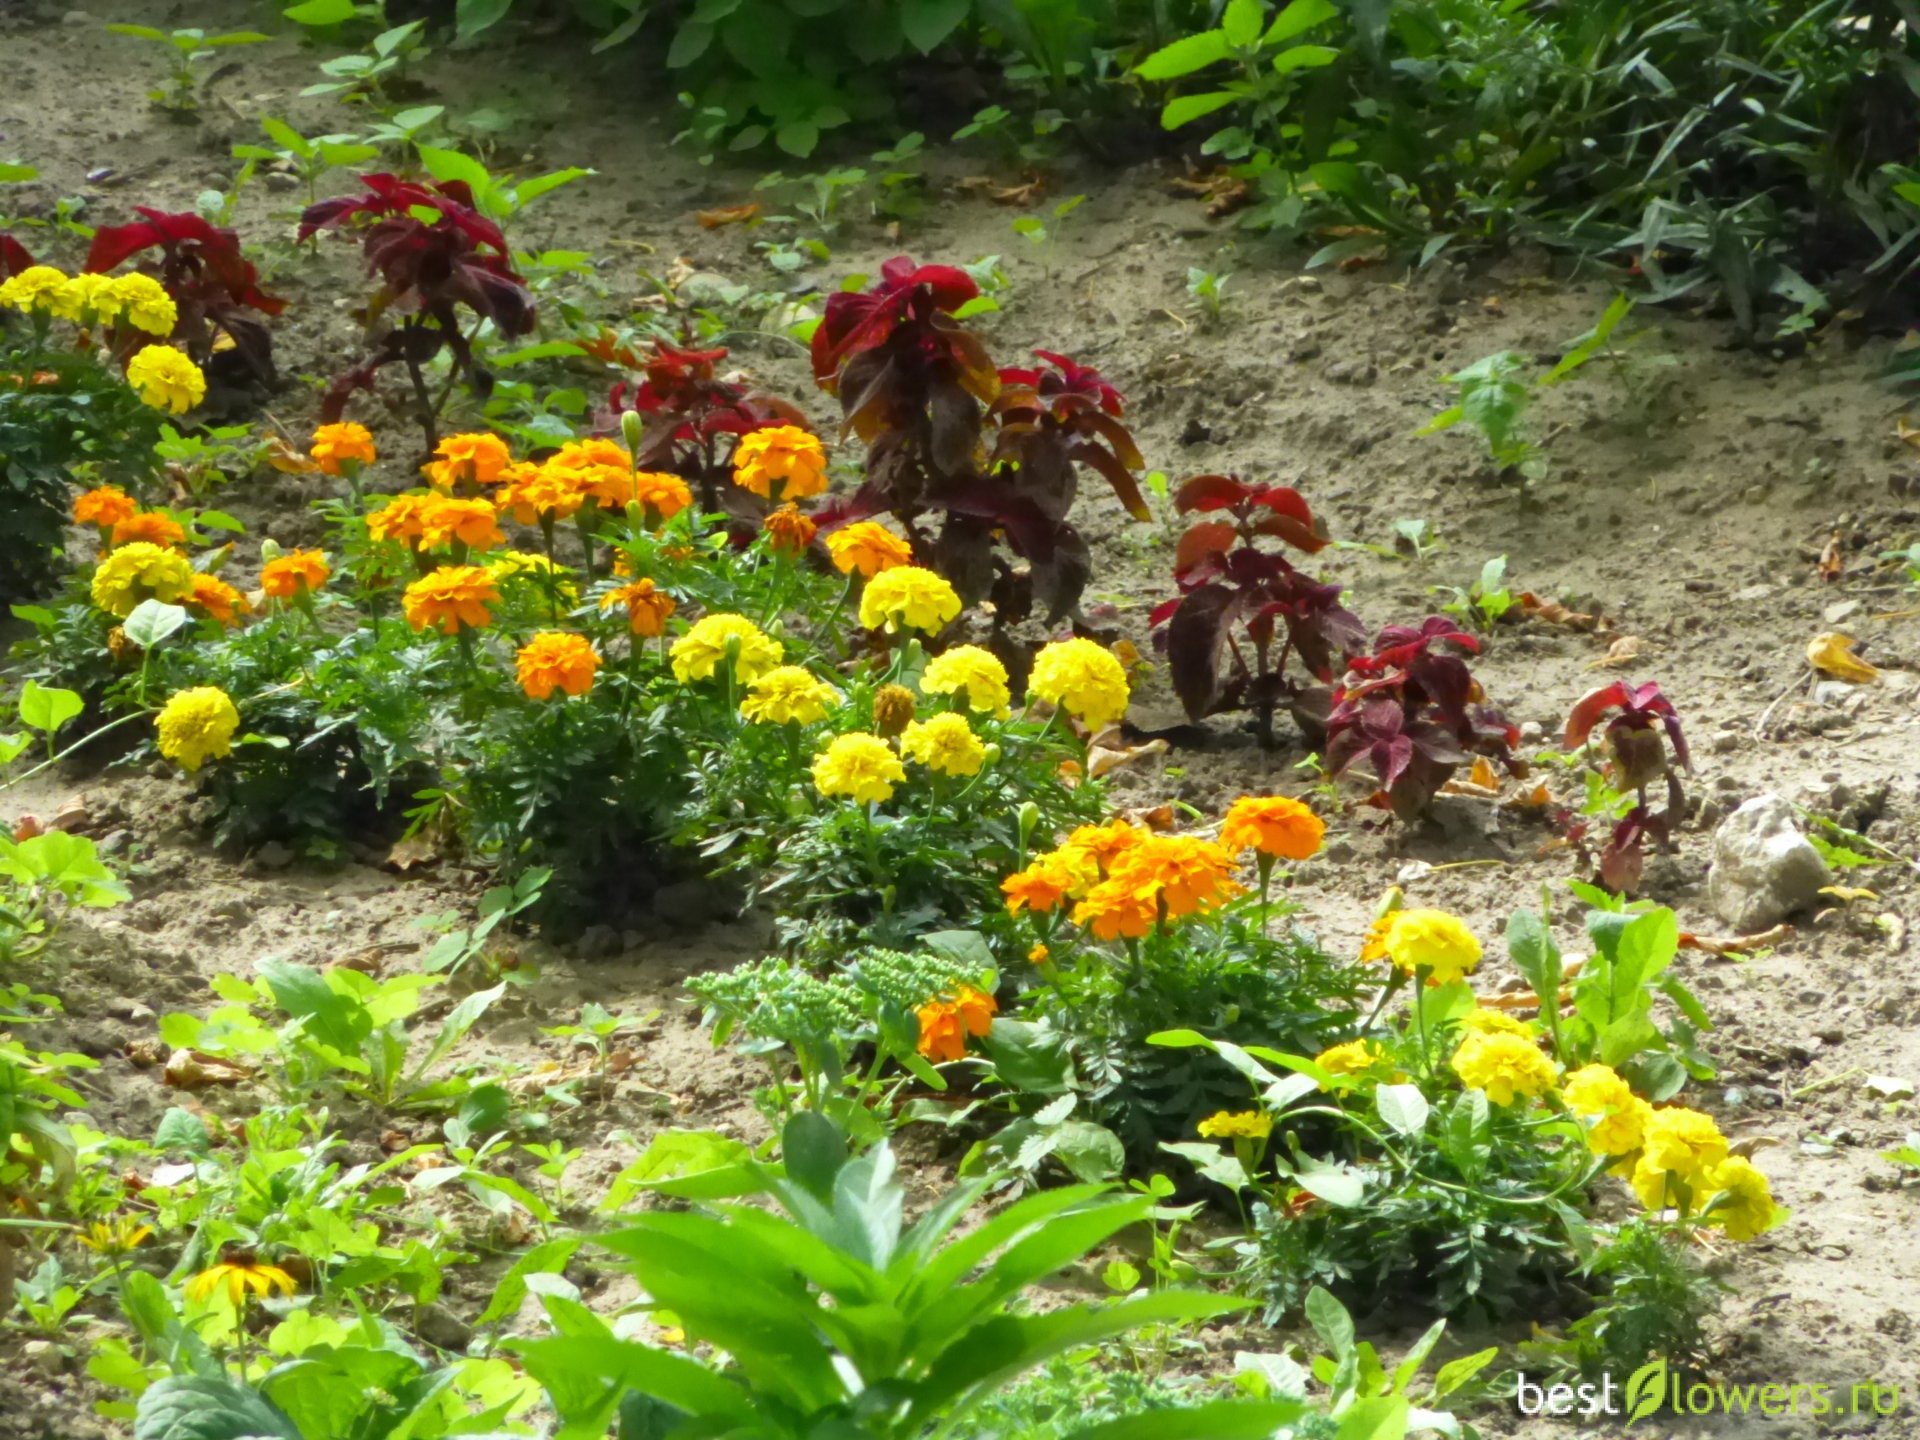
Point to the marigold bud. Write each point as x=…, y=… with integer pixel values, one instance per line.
x=892, y=709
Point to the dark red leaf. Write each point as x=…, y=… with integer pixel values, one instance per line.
x=1210, y=492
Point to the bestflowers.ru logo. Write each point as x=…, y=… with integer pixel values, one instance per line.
x=1655, y=1389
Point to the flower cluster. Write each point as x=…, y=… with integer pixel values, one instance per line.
x=139, y=300
x=947, y=1021
x=1124, y=880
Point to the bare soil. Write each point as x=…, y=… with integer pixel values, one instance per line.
x=1688, y=504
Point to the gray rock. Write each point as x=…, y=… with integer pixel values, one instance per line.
x=439, y=1326
x=1764, y=869
x=45, y=1356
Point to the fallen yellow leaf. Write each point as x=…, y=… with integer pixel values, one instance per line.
x=1832, y=654
x=1848, y=892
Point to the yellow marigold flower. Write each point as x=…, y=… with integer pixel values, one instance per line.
x=867, y=547
x=151, y=526
x=1482, y=1021
x=647, y=608
x=1038, y=955
x=528, y=492
x=1506, y=1067
x=787, y=530
x=239, y=1274
x=477, y=459
x=145, y=303
x=140, y=571
x=166, y=379
x=301, y=572
x=945, y=744
x=781, y=462
x=699, y=652
x=197, y=725
x=908, y=597
x=452, y=596
x=335, y=445
x=1683, y=1141
x=217, y=600
x=33, y=288
x=1237, y=1125
x=1355, y=1057
x=554, y=660
x=1273, y=825
x=946, y=1022
x=1743, y=1201
x=84, y=293
x=446, y=518
x=788, y=692
x=860, y=766
x=1083, y=679
x=105, y=506
x=1434, y=939
x=535, y=568
x=973, y=672
x=1598, y=1093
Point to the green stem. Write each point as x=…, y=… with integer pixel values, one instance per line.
x=84, y=740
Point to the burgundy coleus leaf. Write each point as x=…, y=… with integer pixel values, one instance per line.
x=855, y=322
x=1207, y=543
x=198, y=255
x=1198, y=632
x=389, y=195
x=13, y=257
x=1640, y=707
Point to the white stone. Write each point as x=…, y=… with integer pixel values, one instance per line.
x=1764, y=869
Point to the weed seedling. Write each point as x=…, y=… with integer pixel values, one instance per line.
x=1482, y=603
x=1045, y=237
x=189, y=48
x=1208, y=291
x=307, y=159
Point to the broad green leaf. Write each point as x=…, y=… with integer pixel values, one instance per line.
x=196, y=1407
x=446, y=165
x=1298, y=18
x=1215, y=1420
x=1402, y=1107
x=1187, y=108
x=1184, y=56
x=327, y=1016
x=1455, y=1373
x=527, y=191
x=46, y=710
x=1029, y=1057
x=690, y=1164
x=1304, y=57
x=321, y=12
x=14, y=174
x=286, y=137
x=152, y=621
x=547, y=1258
x=473, y=16
x=1330, y=1322
x=926, y=23
x=1240, y=22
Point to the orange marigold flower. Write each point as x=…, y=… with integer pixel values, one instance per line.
x=529, y=491
x=1373, y=945
x=1273, y=825
x=781, y=462
x=648, y=609
x=333, y=444
x=1103, y=844
x=594, y=453
x=450, y=597
x=660, y=495
x=1046, y=881
x=151, y=526
x=402, y=518
x=304, y=571
x=477, y=459
x=787, y=530
x=1114, y=910
x=945, y=1022
x=556, y=660
x=216, y=599
x=105, y=506
x=445, y=519
x=868, y=548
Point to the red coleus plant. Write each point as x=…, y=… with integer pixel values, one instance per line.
x=434, y=253
x=688, y=408
x=1231, y=587
x=993, y=455
x=13, y=257
x=1413, y=711
x=1639, y=758
x=212, y=284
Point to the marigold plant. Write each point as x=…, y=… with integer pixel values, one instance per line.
x=197, y=725
x=866, y=548
x=715, y=638
x=450, y=598
x=944, y=744
x=859, y=767
x=166, y=379
x=1082, y=678
x=293, y=576
x=140, y=571
x=780, y=462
